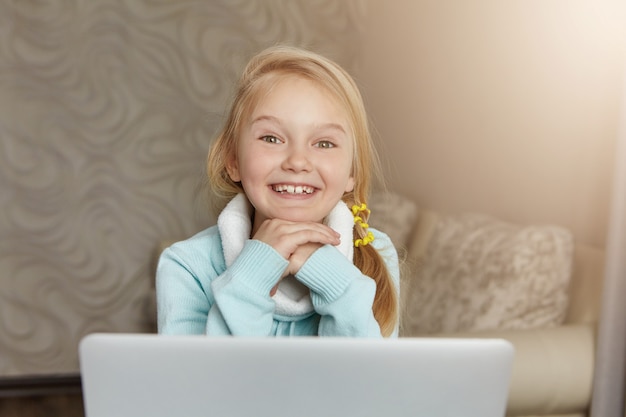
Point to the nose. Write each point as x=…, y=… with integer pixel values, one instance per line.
x=297, y=159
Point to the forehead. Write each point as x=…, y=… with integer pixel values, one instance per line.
x=291, y=92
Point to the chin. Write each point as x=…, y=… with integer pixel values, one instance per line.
x=293, y=216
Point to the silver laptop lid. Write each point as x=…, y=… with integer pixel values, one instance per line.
x=129, y=375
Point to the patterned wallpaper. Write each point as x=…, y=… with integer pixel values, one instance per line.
x=107, y=108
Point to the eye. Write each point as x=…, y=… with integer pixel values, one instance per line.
x=325, y=144
x=270, y=139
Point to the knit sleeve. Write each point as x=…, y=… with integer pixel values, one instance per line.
x=243, y=306
x=182, y=303
x=197, y=294
x=341, y=294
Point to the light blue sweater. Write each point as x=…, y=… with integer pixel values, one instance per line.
x=198, y=294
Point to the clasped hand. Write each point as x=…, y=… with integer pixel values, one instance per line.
x=295, y=241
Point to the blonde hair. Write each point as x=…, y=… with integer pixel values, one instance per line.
x=264, y=71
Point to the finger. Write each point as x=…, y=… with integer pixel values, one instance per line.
x=285, y=236
x=273, y=290
x=300, y=256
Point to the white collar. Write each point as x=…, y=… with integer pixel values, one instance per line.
x=235, y=225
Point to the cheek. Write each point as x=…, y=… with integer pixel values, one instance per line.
x=342, y=179
x=348, y=173
x=253, y=167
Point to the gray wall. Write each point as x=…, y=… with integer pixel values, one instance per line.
x=107, y=109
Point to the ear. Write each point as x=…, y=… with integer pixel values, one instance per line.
x=350, y=185
x=232, y=167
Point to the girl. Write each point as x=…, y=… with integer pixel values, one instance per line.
x=291, y=253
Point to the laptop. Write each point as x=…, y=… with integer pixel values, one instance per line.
x=137, y=375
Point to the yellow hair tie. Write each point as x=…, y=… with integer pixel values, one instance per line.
x=359, y=220
x=366, y=240
x=369, y=237
x=356, y=208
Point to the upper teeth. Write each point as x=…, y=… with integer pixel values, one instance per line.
x=293, y=189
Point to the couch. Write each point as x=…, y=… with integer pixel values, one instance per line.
x=554, y=361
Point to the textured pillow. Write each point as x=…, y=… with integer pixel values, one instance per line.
x=479, y=273
x=394, y=215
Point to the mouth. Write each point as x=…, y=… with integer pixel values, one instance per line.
x=293, y=189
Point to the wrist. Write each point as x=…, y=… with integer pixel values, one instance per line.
x=259, y=266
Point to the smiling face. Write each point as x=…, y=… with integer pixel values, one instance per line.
x=294, y=153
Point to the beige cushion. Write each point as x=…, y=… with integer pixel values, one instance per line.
x=394, y=215
x=552, y=371
x=473, y=272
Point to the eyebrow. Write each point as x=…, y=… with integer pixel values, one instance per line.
x=322, y=126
